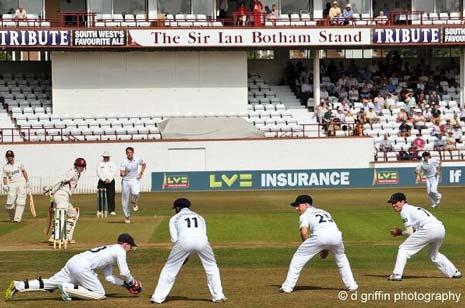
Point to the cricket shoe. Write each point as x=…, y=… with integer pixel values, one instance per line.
x=221, y=300
x=352, y=288
x=135, y=207
x=284, y=291
x=11, y=291
x=127, y=221
x=395, y=277
x=457, y=275
x=435, y=205
x=64, y=295
x=112, y=213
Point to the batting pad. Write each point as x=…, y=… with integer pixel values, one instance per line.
x=83, y=293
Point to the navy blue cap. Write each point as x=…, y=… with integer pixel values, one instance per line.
x=181, y=203
x=302, y=199
x=126, y=238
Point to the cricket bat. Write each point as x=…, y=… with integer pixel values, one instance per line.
x=51, y=213
x=32, y=206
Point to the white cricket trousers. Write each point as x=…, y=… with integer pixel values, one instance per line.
x=432, y=235
x=432, y=189
x=312, y=246
x=16, y=200
x=75, y=272
x=180, y=251
x=61, y=200
x=128, y=188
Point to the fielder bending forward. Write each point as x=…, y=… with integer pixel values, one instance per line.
x=78, y=278
x=189, y=234
x=325, y=236
x=130, y=185
x=62, y=192
x=15, y=184
x=431, y=168
x=421, y=229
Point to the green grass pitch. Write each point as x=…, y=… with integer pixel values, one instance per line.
x=254, y=235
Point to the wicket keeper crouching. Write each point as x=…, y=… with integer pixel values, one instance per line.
x=78, y=279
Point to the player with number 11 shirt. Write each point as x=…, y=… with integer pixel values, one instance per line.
x=189, y=236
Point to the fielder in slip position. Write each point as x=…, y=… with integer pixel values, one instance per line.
x=325, y=237
x=431, y=169
x=421, y=229
x=15, y=184
x=78, y=279
x=189, y=236
x=62, y=192
x=130, y=184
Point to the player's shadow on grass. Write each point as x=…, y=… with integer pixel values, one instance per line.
x=407, y=276
x=308, y=288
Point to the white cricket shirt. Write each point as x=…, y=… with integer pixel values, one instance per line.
x=14, y=172
x=132, y=166
x=416, y=216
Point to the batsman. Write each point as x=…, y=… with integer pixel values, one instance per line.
x=62, y=192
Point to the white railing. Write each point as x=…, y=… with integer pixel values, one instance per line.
x=86, y=185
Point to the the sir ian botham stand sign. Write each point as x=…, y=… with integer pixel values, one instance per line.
x=248, y=37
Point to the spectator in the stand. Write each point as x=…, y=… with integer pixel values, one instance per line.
x=405, y=129
x=379, y=101
x=274, y=14
x=324, y=93
x=461, y=114
x=20, y=13
x=413, y=152
x=435, y=114
x=433, y=98
x=241, y=15
x=257, y=8
x=377, y=107
x=371, y=116
x=419, y=142
x=365, y=92
x=421, y=100
x=389, y=103
x=358, y=128
x=457, y=133
x=402, y=115
x=383, y=91
x=451, y=143
x=320, y=111
x=386, y=144
x=381, y=19
x=335, y=14
x=354, y=96
x=439, y=143
x=327, y=118
x=223, y=7
x=343, y=93
x=427, y=113
x=410, y=101
x=326, y=10
x=352, y=69
x=419, y=121
x=348, y=14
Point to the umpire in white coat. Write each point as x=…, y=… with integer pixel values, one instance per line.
x=106, y=171
x=189, y=235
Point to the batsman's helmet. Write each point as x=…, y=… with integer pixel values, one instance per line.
x=181, y=203
x=80, y=162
